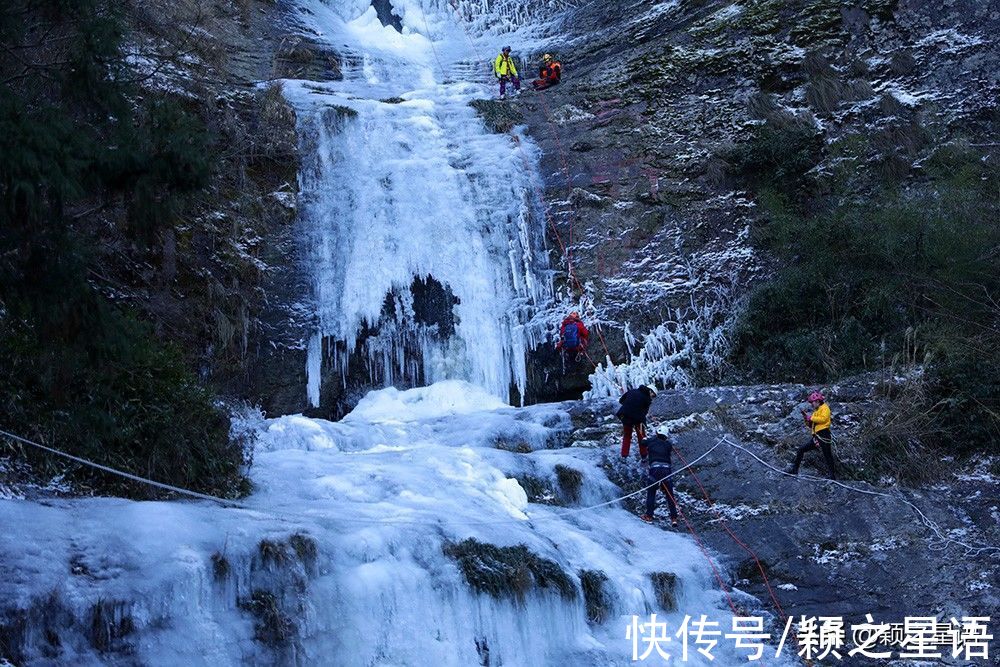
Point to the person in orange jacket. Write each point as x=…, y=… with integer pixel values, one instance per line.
x=573, y=335
x=818, y=423
x=550, y=73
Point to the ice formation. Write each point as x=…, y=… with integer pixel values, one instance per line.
x=402, y=183
x=346, y=552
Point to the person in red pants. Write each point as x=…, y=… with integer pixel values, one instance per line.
x=632, y=413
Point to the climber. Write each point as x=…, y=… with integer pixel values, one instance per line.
x=573, y=336
x=658, y=448
x=818, y=423
x=635, y=405
x=550, y=73
x=506, y=72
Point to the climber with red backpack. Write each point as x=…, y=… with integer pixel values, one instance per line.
x=573, y=336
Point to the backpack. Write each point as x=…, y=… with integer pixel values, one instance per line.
x=571, y=336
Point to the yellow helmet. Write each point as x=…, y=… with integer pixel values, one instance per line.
x=547, y=57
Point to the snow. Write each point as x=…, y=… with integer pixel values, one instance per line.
x=950, y=41
x=379, y=495
x=450, y=397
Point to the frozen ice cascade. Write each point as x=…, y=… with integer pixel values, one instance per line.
x=435, y=525
x=404, y=192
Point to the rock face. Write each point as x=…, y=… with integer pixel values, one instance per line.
x=644, y=143
x=221, y=285
x=826, y=549
x=642, y=153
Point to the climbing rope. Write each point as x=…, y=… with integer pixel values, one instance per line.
x=119, y=473
x=737, y=540
x=945, y=540
x=704, y=551
x=238, y=505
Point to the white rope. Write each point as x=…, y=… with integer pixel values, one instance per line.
x=238, y=505
x=649, y=486
x=120, y=473
x=970, y=549
x=945, y=540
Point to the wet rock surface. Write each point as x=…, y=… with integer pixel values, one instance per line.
x=638, y=141
x=826, y=549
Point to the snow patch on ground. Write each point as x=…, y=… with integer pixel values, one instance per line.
x=950, y=41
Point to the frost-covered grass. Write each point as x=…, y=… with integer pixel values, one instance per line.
x=508, y=571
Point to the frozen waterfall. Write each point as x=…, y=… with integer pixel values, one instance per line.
x=423, y=230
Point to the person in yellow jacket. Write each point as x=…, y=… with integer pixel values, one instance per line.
x=506, y=72
x=818, y=423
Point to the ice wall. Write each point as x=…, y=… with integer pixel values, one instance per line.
x=402, y=182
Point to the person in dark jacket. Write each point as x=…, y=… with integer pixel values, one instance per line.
x=634, y=408
x=658, y=450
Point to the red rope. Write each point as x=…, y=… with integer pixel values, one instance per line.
x=737, y=540
x=704, y=551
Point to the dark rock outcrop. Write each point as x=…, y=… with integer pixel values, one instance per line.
x=825, y=549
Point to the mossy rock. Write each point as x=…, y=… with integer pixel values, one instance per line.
x=220, y=566
x=499, y=117
x=570, y=481
x=346, y=112
x=595, y=596
x=281, y=553
x=273, y=626
x=538, y=490
x=513, y=445
x=110, y=623
x=273, y=552
x=508, y=572
x=305, y=547
x=665, y=587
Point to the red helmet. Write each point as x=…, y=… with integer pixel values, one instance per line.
x=816, y=396
x=575, y=315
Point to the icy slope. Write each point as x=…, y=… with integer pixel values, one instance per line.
x=350, y=552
